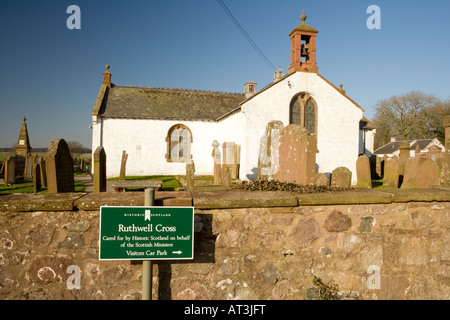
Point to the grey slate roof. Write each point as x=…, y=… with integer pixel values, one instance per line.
x=168, y=104
x=393, y=146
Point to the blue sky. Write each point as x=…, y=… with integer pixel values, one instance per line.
x=52, y=75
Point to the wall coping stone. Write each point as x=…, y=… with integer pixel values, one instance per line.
x=215, y=199
x=39, y=201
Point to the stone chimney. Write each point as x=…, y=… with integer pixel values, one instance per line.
x=107, y=77
x=250, y=89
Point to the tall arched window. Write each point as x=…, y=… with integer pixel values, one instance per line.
x=303, y=112
x=179, y=139
x=296, y=113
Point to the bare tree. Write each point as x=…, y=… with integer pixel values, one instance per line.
x=75, y=147
x=414, y=115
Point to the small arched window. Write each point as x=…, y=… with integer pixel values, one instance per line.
x=303, y=112
x=179, y=139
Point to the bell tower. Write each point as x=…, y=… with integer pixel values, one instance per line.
x=303, y=48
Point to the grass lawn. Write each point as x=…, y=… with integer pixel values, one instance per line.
x=378, y=185
x=26, y=186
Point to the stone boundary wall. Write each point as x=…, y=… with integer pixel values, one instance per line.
x=248, y=245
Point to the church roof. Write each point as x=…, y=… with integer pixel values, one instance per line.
x=167, y=104
x=304, y=26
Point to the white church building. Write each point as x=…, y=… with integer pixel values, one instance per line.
x=161, y=129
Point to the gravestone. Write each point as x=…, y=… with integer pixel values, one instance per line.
x=375, y=167
x=226, y=176
x=403, y=155
x=59, y=167
x=37, y=185
x=10, y=170
x=428, y=174
x=217, y=163
x=123, y=166
x=446, y=124
x=99, y=170
x=363, y=175
x=410, y=172
x=190, y=176
x=297, y=156
x=378, y=168
x=268, y=156
x=445, y=169
x=391, y=172
x=434, y=152
x=41, y=161
x=341, y=177
x=28, y=172
x=321, y=180
x=228, y=155
x=237, y=162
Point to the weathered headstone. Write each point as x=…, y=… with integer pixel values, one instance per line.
x=446, y=124
x=434, y=152
x=99, y=170
x=297, y=156
x=445, y=157
x=28, y=172
x=391, y=172
x=410, y=172
x=404, y=154
x=321, y=180
x=59, y=167
x=445, y=169
x=341, y=177
x=190, y=176
x=363, y=175
x=226, y=176
x=237, y=162
x=123, y=166
x=428, y=174
x=41, y=161
x=217, y=163
x=378, y=173
x=268, y=157
x=228, y=155
x=37, y=185
x=10, y=170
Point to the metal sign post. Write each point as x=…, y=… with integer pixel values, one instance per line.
x=147, y=265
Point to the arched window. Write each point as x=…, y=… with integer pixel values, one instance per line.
x=296, y=113
x=303, y=112
x=179, y=139
x=310, y=116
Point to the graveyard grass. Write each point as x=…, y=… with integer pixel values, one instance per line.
x=26, y=186
x=170, y=183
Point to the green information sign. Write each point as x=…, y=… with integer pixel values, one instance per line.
x=146, y=233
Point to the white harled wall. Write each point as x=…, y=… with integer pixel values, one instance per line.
x=338, y=122
x=146, y=146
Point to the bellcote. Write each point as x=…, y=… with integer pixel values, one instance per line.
x=303, y=47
